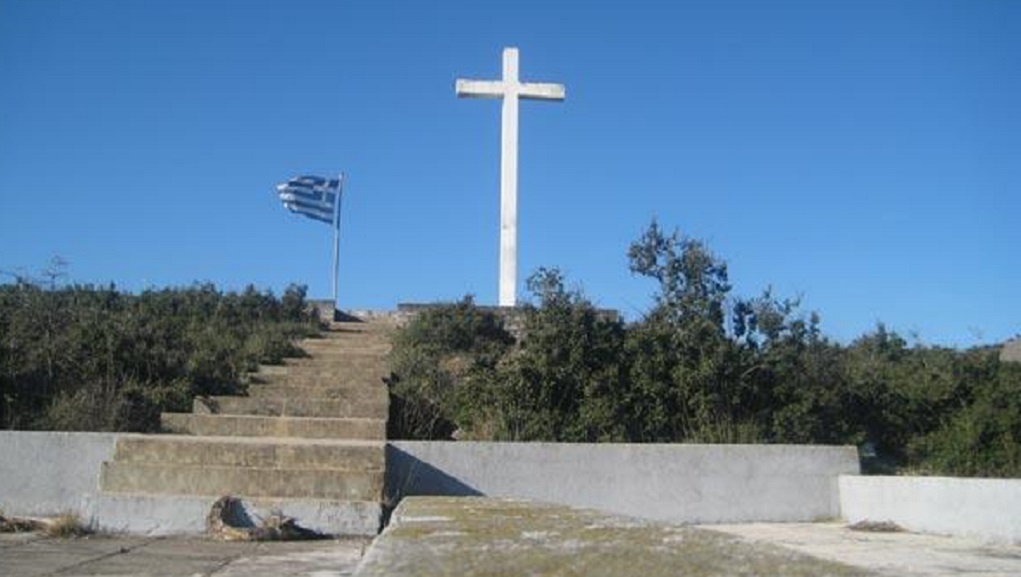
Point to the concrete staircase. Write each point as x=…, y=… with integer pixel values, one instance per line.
x=308, y=442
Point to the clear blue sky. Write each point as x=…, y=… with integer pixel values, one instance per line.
x=863, y=155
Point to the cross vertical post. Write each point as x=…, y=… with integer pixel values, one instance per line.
x=509, y=183
x=510, y=89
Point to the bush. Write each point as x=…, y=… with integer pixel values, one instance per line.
x=983, y=438
x=98, y=359
x=702, y=366
x=434, y=360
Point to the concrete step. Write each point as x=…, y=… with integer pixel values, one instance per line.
x=335, y=363
x=377, y=393
x=364, y=328
x=340, y=357
x=358, y=345
x=380, y=345
x=364, y=336
x=353, y=336
x=314, y=378
x=176, y=479
x=258, y=452
x=331, y=363
x=149, y=514
x=245, y=426
x=303, y=406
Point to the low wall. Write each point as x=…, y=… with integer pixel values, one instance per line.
x=987, y=509
x=675, y=483
x=47, y=473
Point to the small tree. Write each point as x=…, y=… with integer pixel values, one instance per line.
x=685, y=369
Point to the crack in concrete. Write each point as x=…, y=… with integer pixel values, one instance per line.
x=123, y=550
x=221, y=566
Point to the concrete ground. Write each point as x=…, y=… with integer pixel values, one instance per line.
x=27, y=555
x=902, y=554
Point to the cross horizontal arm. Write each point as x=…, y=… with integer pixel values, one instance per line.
x=480, y=88
x=537, y=91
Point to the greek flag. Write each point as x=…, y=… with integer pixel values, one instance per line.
x=313, y=196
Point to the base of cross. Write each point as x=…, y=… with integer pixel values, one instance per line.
x=514, y=318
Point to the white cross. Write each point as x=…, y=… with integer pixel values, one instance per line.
x=510, y=89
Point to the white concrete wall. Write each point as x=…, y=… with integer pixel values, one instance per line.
x=987, y=509
x=677, y=483
x=47, y=473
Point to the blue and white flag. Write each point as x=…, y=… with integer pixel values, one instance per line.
x=313, y=196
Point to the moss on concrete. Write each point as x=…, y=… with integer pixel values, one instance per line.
x=479, y=536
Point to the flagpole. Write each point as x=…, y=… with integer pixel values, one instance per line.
x=336, y=241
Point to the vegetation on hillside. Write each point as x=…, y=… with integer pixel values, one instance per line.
x=702, y=366
x=92, y=358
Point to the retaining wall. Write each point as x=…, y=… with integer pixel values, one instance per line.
x=987, y=509
x=47, y=474
x=676, y=483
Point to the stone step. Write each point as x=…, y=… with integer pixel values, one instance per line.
x=149, y=514
x=376, y=393
x=176, y=479
x=293, y=406
x=259, y=452
x=245, y=426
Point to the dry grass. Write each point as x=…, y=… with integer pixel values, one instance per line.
x=18, y=525
x=67, y=526
x=62, y=527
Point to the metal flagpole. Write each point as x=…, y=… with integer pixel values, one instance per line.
x=336, y=240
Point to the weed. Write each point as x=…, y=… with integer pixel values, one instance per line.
x=66, y=526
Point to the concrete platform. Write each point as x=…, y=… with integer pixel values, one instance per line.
x=893, y=554
x=31, y=556
x=883, y=554
x=469, y=536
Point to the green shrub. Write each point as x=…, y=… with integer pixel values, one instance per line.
x=702, y=366
x=95, y=358
x=434, y=359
